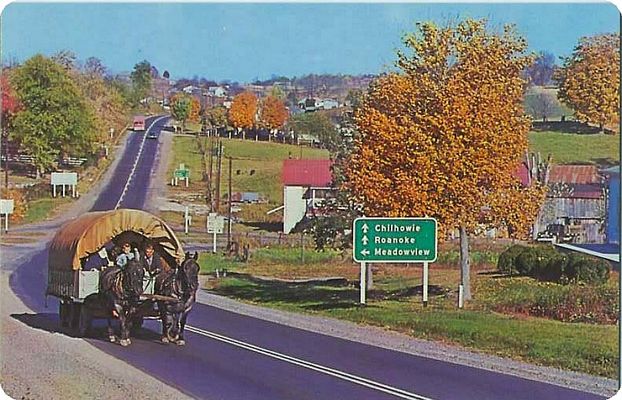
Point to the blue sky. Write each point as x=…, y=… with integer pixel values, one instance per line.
x=244, y=41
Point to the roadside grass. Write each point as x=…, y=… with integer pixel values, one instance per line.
x=257, y=166
x=499, y=320
x=579, y=347
x=568, y=303
x=43, y=208
x=569, y=148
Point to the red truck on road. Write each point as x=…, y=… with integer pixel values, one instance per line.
x=139, y=123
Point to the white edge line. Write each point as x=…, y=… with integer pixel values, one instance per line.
x=140, y=151
x=316, y=367
x=606, y=256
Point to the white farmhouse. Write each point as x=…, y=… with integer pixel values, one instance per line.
x=306, y=184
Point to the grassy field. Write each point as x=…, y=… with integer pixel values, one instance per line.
x=495, y=322
x=41, y=209
x=534, y=98
x=256, y=167
x=569, y=148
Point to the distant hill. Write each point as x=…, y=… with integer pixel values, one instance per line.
x=542, y=101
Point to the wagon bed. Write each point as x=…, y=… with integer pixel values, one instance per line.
x=78, y=289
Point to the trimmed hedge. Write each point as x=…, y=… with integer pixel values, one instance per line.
x=547, y=264
x=507, y=259
x=583, y=269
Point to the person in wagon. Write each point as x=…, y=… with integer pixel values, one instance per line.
x=96, y=260
x=126, y=255
x=151, y=261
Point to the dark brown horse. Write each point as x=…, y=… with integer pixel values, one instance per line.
x=121, y=289
x=181, y=284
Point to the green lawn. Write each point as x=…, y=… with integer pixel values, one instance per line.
x=257, y=166
x=575, y=346
x=40, y=209
x=568, y=148
x=515, y=317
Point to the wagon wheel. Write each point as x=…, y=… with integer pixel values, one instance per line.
x=64, y=313
x=84, y=323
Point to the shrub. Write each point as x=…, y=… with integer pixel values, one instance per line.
x=554, y=271
x=548, y=266
x=534, y=260
x=507, y=260
x=585, y=269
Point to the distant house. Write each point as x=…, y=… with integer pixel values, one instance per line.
x=216, y=91
x=576, y=200
x=306, y=184
x=191, y=89
x=309, y=104
x=246, y=197
x=329, y=104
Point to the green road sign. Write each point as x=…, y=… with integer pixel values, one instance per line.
x=182, y=173
x=395, y=240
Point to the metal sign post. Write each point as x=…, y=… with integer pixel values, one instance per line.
x=187, y=220
x=425, y=284
x=363, y=284
x=395, y=240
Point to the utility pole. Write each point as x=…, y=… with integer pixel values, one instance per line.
x=210, y=186
x=218, y=175
x=218, y=171
x=230, y=198
x=6, y=162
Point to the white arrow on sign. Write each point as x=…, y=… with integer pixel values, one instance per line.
x=365, y=240
x=365, y=252
x=365, y=228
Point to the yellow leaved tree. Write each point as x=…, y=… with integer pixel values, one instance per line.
x=589, y=80
x=443, y=136
x=273, y=113
x=243, y=111
x=195, y=110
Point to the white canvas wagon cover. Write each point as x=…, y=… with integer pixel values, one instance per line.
x=88, y=233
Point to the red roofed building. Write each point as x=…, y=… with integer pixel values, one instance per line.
x=306, y=184
x=576, y=200
x=575, y=174
x=310, y=173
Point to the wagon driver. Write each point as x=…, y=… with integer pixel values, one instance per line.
x=152, y=262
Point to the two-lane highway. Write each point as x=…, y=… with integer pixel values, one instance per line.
x=233, y=356
x=129, y=186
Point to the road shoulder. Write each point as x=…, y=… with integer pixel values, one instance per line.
x=378, y=337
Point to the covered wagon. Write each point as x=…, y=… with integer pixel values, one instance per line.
x=71, y=275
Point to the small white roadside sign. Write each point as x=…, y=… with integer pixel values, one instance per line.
x=64, y=179
x=215, y=224
x=6, y=207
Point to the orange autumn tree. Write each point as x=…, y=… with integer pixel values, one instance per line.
x=273, y=113
x=589, y=80
x=442, y=136
x=195, y=110
x=243, y=111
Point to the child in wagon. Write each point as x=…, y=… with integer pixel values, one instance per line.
x=126, y=255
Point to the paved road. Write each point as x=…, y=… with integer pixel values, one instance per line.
x=231, y=356
x=129, y=186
